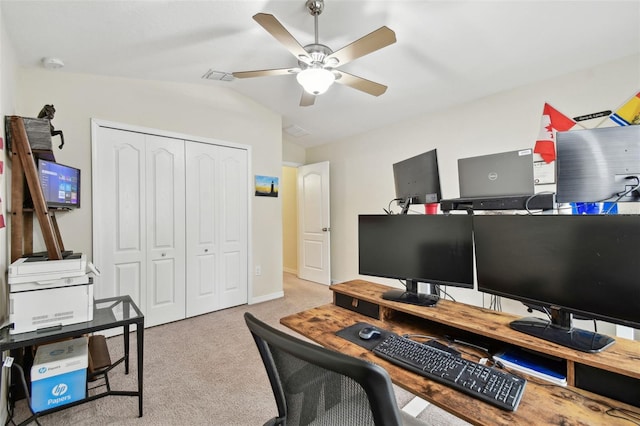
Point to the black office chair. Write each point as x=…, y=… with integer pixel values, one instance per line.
x=313, y=385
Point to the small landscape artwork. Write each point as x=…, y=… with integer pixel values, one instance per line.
x=266, y=186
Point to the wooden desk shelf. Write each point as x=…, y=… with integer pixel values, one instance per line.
x=583, y=401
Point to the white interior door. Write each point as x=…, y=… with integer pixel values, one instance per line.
x=119, y=213
x=165, y=199
x=203, y=249
x=233, y=230
x=217, y=220
x=170, y=221
x=314, y=237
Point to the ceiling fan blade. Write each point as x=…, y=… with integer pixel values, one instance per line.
x=373, y=41
x=265, y=73
x=277, y=30
x=307, y=99
x=362, y=84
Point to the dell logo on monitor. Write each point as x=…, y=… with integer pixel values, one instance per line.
x=493, y=176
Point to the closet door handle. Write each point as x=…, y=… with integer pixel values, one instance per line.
x=326, y=229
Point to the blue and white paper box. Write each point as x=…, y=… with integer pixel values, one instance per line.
x=59, y=374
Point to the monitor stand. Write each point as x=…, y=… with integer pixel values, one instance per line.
x=411, y=295
x=574, y=338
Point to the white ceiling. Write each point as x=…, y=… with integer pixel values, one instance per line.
x=447, y=52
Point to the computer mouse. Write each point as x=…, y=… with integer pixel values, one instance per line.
x=367, y=333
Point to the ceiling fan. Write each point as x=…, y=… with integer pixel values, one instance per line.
x=317, y=63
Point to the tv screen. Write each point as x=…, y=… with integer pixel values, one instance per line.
x=597, y=165
x=433, y=249
x=570, y=264
x=60, y=184
x=417, y=179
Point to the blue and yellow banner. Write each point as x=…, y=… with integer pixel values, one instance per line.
x=629, y=113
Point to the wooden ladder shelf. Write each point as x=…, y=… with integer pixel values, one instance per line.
x=21, y=218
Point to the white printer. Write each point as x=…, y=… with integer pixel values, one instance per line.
x=49, y=293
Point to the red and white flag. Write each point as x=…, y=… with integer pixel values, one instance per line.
x=552, y=119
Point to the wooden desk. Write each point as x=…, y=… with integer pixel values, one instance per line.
x=542, y=403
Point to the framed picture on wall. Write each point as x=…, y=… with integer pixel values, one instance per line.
x=266, y=186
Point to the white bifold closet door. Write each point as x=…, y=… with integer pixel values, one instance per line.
x=216, y=179
x=165, y=286
x=170, y=223
x=141, y=192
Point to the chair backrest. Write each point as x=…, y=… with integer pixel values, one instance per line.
x=313, y=385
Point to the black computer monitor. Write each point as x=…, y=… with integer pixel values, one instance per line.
x=417, y=180
x=569, y=264
x=432, y=249
x=597, y=165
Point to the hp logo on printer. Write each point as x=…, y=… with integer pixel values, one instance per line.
x=59, y=390
x=42, y=370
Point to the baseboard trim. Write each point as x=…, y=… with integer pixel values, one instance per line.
x=293, y=271
x=266, y=297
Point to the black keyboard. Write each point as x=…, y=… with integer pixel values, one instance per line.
x=496, y=387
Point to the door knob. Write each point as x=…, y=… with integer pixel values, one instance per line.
x=326, y=229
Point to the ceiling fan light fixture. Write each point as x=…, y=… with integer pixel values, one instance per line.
x=315, y=80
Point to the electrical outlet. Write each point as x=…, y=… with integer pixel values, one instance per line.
x=258, y=270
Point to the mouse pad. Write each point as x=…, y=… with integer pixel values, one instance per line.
x=351, y=334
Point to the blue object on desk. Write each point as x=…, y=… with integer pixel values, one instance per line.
x=594, y=208
x=545, y=366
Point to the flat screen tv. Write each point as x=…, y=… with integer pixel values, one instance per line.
x=597, y=165
x=569, y=264
x=60, y=184
x=432, y=249
x=417, y=180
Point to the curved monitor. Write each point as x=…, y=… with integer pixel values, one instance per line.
x=433, y=249
x=569, y=264
x=598, y=165
x=417, y=179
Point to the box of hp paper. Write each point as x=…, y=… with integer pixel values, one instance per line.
x=59, y=374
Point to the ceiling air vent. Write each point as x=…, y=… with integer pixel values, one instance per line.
x=295, y=130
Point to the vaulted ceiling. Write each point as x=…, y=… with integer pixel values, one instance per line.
x=447, y=52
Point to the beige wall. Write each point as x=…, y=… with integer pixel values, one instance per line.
x=289, y=219
x=292, y=153
x=361, y=166
x=211, y=111
x=7, y=107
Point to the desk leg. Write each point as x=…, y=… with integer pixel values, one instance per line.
x=25, y=388
x=140, y=342
x=126, y=348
